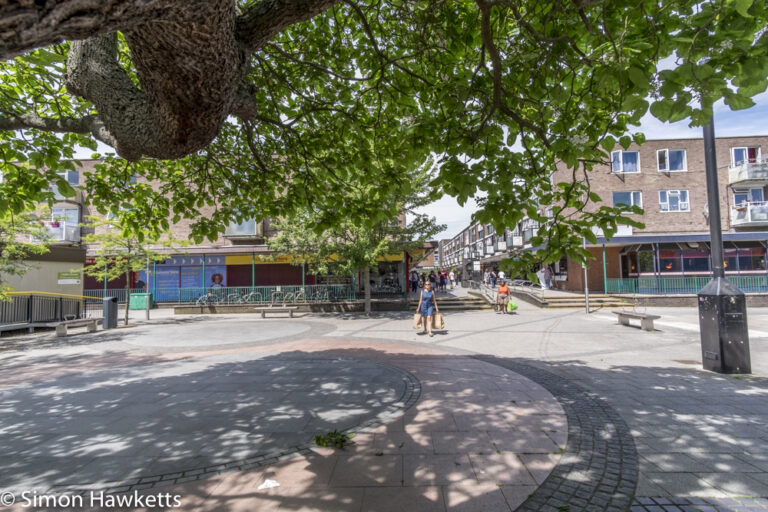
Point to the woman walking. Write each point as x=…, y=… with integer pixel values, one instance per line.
x=502, y=297
x=427, y=307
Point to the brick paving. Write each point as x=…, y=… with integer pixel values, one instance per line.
x=599, y=469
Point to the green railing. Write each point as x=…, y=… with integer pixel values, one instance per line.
x=239, y=294
x=681, y=285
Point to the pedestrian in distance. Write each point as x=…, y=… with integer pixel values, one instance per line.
x=432, y=277
x=452, y=279
x=492, y=277
x=502, y=296
x=414, y=281
x=547, y=275
x=427, y=307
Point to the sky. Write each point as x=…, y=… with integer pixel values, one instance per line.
x=752, y=121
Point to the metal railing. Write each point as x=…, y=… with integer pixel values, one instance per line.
x=750, y=170
x=681, y=285
x=26, y=308
x=240, y=294
x=750, y=213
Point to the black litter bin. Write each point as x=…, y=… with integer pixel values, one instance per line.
x=109, y=313
x=723, y=324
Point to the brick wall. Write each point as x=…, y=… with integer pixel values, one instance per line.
x=649, y=181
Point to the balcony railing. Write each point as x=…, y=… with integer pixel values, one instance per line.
x=750, y=214
x=756, y=170
x=250, y=228
x=61, y=232
x=500, y=246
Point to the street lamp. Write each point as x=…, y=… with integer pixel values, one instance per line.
x=722, y=306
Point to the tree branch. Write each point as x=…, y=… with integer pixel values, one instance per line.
x=265, y=18
x=87, y=124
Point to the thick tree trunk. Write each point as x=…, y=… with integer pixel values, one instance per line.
x=182, y=103
x=367, y=288
x=190, y=58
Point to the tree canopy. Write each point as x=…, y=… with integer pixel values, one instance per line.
x=258, y=107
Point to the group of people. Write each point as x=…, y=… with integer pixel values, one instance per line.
x=492, y=276
x=439, y=281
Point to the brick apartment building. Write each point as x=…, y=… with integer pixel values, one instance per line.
x=667, y=179
x=239, y=258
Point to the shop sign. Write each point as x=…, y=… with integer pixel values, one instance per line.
x=69, y=277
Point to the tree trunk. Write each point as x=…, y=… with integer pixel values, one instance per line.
x=127, y=294
x=367, y=288
x=190, y=58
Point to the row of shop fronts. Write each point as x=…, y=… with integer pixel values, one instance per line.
x=210, y=272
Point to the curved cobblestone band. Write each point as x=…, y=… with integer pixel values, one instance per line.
x=409, y=396
x=599, y=469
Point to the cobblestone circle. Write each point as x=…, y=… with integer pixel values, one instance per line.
x=599, y=469
x=699, y=505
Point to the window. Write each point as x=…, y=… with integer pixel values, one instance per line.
x=671, y=160
x=754, y=195
x=629, y=198
x=674, y=201
x=72, y=177
x=71, y=216
x=625, y=161
x=740, y=156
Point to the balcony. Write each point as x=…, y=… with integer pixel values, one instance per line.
x=249, y=229
x=755, y=171
x=750, y=214
x=500, y=246
x=60, y=232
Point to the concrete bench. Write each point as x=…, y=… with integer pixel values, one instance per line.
x=646, y=321
x=277, y=309
x=89, y=323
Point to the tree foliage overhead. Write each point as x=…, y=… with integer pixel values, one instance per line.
x=262, y=106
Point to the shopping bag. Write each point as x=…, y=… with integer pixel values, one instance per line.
x=511, y=306
x=417, y=321
x=438, y=322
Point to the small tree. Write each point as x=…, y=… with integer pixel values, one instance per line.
x=122, y=250
x=348, y=245
x=16, y=231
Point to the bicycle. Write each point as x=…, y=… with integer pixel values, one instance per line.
x=250, y=298
x=209, y=299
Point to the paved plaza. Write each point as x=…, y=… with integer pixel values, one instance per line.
x=541, y=410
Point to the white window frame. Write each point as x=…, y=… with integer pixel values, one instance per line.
x=680, y=203
x=749, y=193
x=632, y=196
x=746, y=150
x=621, y=162
x=666, y=160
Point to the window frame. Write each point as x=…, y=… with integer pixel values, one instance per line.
x=679, y=201
x=666, y=160
x=631, y=195
x=746, y=150
x=621, y=161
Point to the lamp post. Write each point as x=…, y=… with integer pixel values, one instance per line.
x=722, y=306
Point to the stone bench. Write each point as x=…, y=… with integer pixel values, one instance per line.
x=89, y=323
x=646, y=321
x=277, y=309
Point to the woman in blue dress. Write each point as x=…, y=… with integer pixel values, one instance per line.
x=427, y=307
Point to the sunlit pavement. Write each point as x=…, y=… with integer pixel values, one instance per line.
x=700, y=438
